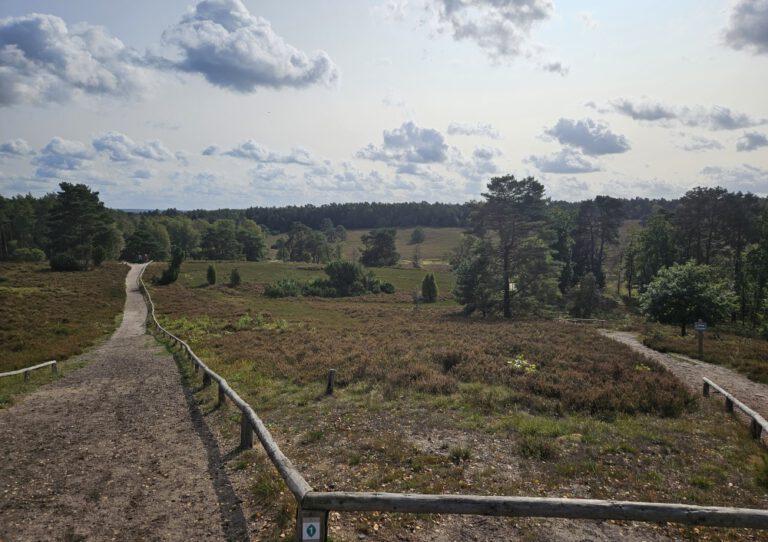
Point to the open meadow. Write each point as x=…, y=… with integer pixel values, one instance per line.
x=428, y=400
x=47, y=315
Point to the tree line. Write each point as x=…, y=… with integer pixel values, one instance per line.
x=702, y=256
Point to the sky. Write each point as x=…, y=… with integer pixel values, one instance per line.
x=237, y=103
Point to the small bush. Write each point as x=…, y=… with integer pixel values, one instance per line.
x=210, y=275
x=459, y=454
x=65, y=262
x=234, y=278
x=387, y=288
x=533, y=446
x=429, y=288
x=28, y=255
x=283, y=288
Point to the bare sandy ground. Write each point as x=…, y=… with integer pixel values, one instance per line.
x=114, y=451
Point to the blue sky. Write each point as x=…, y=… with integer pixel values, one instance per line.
x=228, y=103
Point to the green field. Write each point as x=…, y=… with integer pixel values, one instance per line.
x=435, y=250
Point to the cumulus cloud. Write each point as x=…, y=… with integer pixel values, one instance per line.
x=568, y=188
x=121, y=148
x=42, y=59
x=480, y=166
x=565, y=161
x=408, y=144
x=501, y=28
x=694, y=143
x=748, y=26
x=393, y=10
x=745, y=178
x=222, y=41
x=751, y=141
x=592, y=138
x=712, y=118
x=479, y=129
x=62, y=155
x=555, y=67
x=251, y=150
x=141, y=174
x=15, y=147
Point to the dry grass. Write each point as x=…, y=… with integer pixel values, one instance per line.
x=432, y=402
x=46, y=315
x=747, y=355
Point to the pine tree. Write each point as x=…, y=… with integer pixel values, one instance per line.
x=211, y=275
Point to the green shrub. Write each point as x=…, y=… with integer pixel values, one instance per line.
x=171, y=274
x=429, y=288
x=319, y=288
x=65, y=262
x=387, y=288
x=211, y=275
x=283, y=288
x=234, y=277
x=28, y=255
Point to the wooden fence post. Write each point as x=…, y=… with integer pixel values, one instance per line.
x=705, y=389
x=222, y=396
x=206, y=379
x=728, y=405
x=246, y=432
x=55, y=368
x=756, y=429
x=26, y=376
x=311, y=525
x=331, y=380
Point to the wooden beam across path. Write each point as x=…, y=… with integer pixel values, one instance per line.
x=543, y=507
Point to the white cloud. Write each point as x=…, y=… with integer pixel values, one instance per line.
x=121, y=148
x=479, y=129
x=408, y=144
x=15, y=147
x=501, y=28
x=748, y=26
x=231, y=48
x=251, y=150
x=567, y=188
x=712, y=118
x=694, y=143
x=555, y=67
x=62, y=155
x=751, y=141
x=42, y=60
x=592, y=138
x=565, y=161
x=141, y=174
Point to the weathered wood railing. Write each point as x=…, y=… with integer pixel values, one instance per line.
x=757, y=423
x=26, y=370
x=313, y=507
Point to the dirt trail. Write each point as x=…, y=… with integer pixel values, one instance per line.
x=114, y=451
x=691, y=372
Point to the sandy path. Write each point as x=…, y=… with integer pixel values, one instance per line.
x=115, y=451
x=691, y=372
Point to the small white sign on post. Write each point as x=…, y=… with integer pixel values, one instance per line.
x=310, y=529
x=701, y=326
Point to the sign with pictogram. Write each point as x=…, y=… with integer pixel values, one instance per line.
x=310, y=529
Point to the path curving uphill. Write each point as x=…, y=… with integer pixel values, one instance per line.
x=691, y=372
x=115, y=451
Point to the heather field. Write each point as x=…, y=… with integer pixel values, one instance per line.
x=48, y=315
x=430, y=401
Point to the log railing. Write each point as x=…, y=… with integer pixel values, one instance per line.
x=757, y=423
x=26, y=370
x=313, y=507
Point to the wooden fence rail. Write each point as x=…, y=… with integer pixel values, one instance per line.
x=313, y=507
x=26, y=370
x=757, y=422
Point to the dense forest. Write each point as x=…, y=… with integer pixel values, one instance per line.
x=521, y=254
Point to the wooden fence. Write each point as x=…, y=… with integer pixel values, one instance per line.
x=26, y=370
x=313, y=507
x=757, y=422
